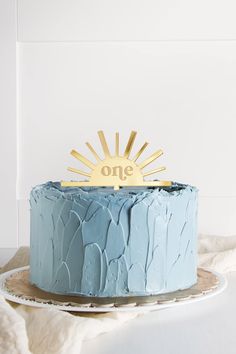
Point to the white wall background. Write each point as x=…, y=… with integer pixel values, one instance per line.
x=8, y=122
x=165, y=69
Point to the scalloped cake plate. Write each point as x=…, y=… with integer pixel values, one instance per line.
x=15, y=287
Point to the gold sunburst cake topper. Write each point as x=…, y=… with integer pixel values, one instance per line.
x=116, y=170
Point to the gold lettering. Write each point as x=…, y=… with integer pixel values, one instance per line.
x=117, y=171
x=106, y=171
x=128, y=170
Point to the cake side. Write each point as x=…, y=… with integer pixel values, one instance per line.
x=98, y=242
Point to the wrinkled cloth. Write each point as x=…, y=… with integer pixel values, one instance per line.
x=25, y=329
x=217, y=253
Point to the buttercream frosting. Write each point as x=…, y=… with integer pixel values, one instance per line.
x=101, y=242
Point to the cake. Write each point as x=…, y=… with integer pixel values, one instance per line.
x=96, y=241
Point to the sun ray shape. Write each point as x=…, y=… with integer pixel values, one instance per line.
x=82, y=159
x=141, y=150
x=72, y=169
x=117, y=144
x=150, y=159
x=159, y=169
x=130, y=144
x=104, y=144
x=93, y=152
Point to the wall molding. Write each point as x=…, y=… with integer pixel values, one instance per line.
x=126, y=20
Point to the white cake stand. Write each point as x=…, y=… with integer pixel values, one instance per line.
x=15, y=287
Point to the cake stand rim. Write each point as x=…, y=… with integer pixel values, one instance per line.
x=221, y=286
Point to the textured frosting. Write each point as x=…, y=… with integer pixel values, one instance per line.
x=101, y=242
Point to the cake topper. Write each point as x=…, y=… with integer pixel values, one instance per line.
x=116, y=170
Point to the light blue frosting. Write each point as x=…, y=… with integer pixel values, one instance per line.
x=101, y=242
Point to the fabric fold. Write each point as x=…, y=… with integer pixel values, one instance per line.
x=13, y=332
x=217, y=253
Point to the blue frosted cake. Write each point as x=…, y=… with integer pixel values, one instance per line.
x=105, y=243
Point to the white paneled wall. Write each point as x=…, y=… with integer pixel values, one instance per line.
x=179, y=96
x=165, y=69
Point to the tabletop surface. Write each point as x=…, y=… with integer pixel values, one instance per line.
x=205, y=327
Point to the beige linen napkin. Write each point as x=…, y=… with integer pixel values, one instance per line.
x=217, y=253
x=25, y=329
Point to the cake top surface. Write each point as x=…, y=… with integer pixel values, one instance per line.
x=108, y=193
